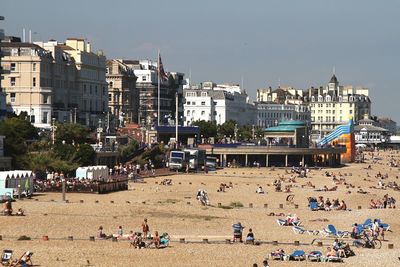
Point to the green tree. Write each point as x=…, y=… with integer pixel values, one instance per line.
x=227, y=128
x=127, y=151
x=70, y=133
x=84, y=155
x=17, y=131
x=245, y=133
x=207, y=129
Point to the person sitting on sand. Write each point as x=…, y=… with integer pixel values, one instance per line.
x=265, y=263
x=335, y=204
x=260, y=190
x=338, y=247
x=372, y=204
x=342, y=206
x=23, y=260
x=120, y=232
x=330, y=252
x=156, y=240
x=250, y=237
x=20, y=212
x=100, y=233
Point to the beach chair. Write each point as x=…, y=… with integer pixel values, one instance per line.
x=277, y=255
x=331, y=231
x=297, y=255
x=6, y=257
x=314, y=256
x=314, y=206
x=298, y=230
x=333, y=259
x=368, y=223
x=281, y=222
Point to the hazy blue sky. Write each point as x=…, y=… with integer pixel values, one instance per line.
x=295, y=41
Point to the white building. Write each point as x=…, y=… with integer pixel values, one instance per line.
x=218, y=103
x=3, y=107
x=271, y=113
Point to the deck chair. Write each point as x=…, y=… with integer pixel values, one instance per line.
x=281, y=222
x=314, y=256
x=6, y=257
x=298, y=230
x=278, y=256
x=368, y=223
x=297, y=255
x=314, y=206
x=333, y=259
x=331, y=231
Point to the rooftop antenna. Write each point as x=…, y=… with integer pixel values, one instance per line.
x=242, y=85
x=190, y=78
x=30, y=36
x=279, y=82
x=23, y=35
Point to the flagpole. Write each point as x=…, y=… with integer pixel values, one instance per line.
x=158, y=96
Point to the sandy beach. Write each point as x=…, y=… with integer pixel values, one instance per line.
x=175, y=210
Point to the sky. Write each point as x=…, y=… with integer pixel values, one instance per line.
x=295, y=42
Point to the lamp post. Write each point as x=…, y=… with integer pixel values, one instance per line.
x=176, y=119
x=53, y=130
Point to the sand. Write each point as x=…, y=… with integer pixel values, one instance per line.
x=174, y=209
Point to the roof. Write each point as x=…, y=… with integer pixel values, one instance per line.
x=286, y=126
x=369, y=128
x=333, y=79
x=65, y=47
x=181, y=129
x=17, y=44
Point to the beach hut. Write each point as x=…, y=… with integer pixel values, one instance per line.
x=93, y=173
x=12, y=182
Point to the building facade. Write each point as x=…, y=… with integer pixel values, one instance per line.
x=123, y=97
x=218, y=103
x=3, y=107
x=367, y=132
x=272, y=113
x=28, y=81
x=90, y=81
x=335, y=105
x=146, y=72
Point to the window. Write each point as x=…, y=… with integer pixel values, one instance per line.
x=188, y=103
x=203, y=103
x=144, y=78
x=45, y=99
x=188, y=113
x=13, y=67
x=44, y=118
x=109, y=97
x=12, y=81
x=84, y=88
x=96, y=90
x=90, y=91
x=193, y=103
x=34, y=67
x=32, y=118
x=351, y=111
x=104, y=90
x=12, y=97
x=34, y=82
x=203, y=113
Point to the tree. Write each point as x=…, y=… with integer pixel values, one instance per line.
x=70, y=133
x=17, y=131
x=127, y=151
x=84, y=155
x=245, y=133
x=227, y=129
x=207, y=129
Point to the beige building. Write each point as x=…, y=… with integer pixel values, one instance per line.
x=91, y=81
x=28, y=81
x=335, y=105
x=65, y=81
x=123, y=97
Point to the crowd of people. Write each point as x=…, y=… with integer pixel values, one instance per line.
x=327, y=204
x=143, y=239
x=386, y=202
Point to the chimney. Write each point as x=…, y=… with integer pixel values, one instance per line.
x=89, y=47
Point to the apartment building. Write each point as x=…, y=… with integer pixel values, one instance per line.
x=28, y=81
x=147, y=84
x=123, y=96
x=90, y=81
x=3, y=108
x=272, y=113
x=218, y=103
x=335, y=105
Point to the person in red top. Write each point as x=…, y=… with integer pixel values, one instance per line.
x=145, y=228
